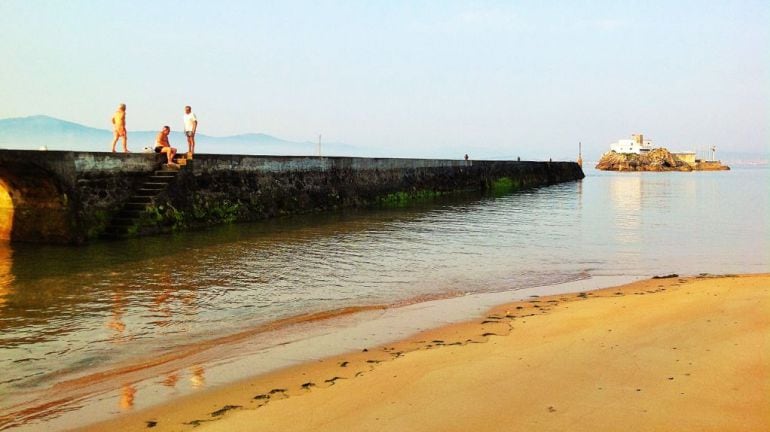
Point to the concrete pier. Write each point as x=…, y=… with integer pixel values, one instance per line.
x=74, y=197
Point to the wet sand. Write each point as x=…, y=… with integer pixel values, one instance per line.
x=661, y=354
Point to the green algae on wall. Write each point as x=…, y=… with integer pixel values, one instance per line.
x=221, y=213
x=504, y=185
x=165, y=217
x=403, y=199
x=98, y=221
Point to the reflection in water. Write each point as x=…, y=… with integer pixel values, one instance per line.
x=6, y=277
x=171, y=380
x=69, y=312
x=127, y=395
x=6, y=212
x=197, y=379
x=626, y=199
x=116, y=320
x=161, y=304
x=579, y=195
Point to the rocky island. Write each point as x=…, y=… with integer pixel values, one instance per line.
x=659, y=159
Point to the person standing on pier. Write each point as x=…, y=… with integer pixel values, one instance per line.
x=119, y=128
x=190, y=126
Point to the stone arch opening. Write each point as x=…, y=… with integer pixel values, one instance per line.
x=32, y=206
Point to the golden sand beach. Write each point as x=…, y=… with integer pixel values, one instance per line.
x=683, y=354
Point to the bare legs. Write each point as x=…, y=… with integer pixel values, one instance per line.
x=117, y=135
x=190, y=146
x=170, y=153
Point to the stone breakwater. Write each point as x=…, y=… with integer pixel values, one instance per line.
x=91, y=194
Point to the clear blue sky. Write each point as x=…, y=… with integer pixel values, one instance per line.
x=429, y=78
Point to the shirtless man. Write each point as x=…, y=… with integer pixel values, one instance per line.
x=119, y=128
x=162, y=146
x=190, y=126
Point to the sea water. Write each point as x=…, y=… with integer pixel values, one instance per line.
x=66, y=312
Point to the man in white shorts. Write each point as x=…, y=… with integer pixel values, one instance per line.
x=190, y=126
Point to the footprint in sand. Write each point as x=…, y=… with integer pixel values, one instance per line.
x=276, y=393
x=333, y=379
x=224, y=409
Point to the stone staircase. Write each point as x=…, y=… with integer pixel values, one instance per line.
x=132, y=210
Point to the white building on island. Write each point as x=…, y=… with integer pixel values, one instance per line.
x=637, y=144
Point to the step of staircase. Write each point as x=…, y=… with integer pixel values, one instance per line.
x=135, y=206
x=161, y=178
x=170, y=173
x=141, y=199
x=149, y=191
x=132, y=210
x=131, y=213
x=155, y=184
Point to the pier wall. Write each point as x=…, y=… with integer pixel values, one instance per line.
x=66, y=197
x=70, y=197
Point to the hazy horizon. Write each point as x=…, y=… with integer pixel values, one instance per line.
x=35, y=132
x=492, y=79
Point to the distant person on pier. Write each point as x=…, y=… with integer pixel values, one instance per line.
x=119, y=128
x=190, y=126
x=163, y=146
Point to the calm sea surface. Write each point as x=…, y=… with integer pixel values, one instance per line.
x=67, y=311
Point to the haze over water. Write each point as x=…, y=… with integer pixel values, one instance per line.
x=69, y=311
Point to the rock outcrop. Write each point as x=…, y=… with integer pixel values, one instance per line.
x=658, y=159
x=711, y=166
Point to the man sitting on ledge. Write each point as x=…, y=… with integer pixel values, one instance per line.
x=162, y=146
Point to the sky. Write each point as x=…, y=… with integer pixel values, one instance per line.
x=494, y=79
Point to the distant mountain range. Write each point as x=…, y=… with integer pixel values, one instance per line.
x=32, y=133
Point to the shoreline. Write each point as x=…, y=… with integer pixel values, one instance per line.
x=454, y=361
x=146, y=382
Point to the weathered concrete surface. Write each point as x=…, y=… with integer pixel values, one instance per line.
x=69, y=197
x=216, y=189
